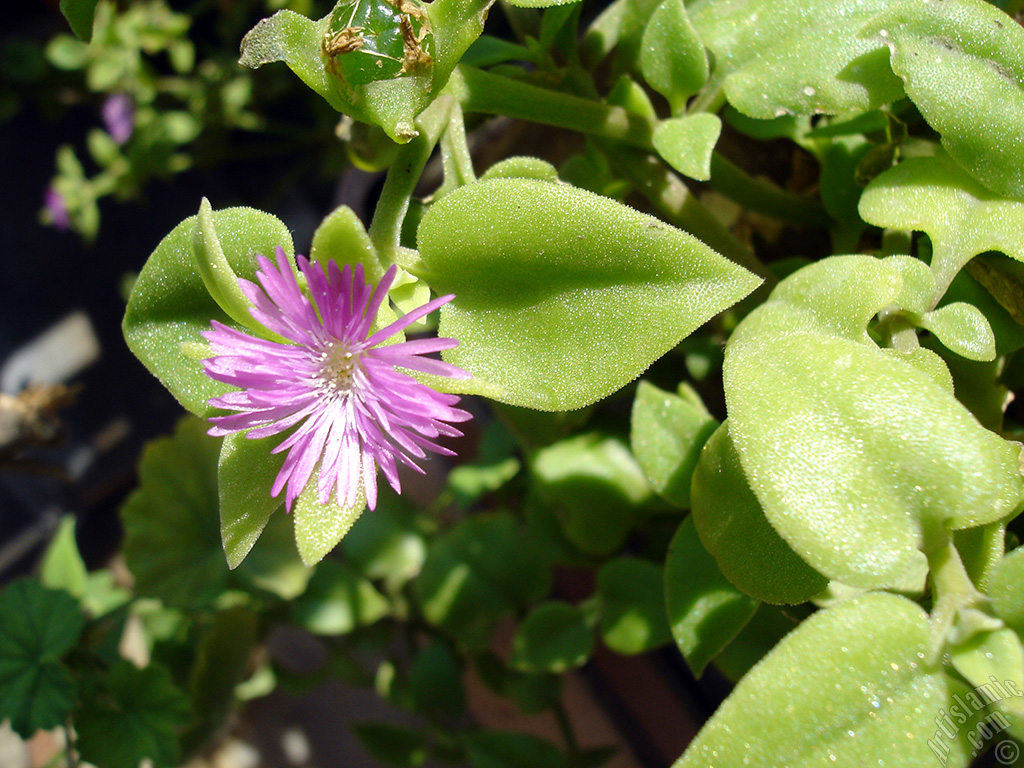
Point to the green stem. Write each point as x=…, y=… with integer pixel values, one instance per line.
x=765, y=198
x=386, y=227
x=482, y=91
x=456, y=158
x=952, y=588
x=680, y=207
x=565, y=726
x=496, y=95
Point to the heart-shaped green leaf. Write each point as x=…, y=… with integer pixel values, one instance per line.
x=962, y=218
x=827, y=426
x=733, y=527
x=796, y=56
x=958, y=61
x=672, y=57
x=666, y=435
x=857, y=673
x=538, y=304
x=705, y=610
x=170, y=307
x=687, y=143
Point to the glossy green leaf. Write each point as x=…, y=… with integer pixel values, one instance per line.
x=632, y=594
x=171, y=544
x=1007, y=590
x=672, y=57
x=963, y=329
x=62, y=566
x=539, y=304
x=794, y=56
x=595, y=487
x=37, y=627
x=827, y=425
x=705, y=611
x=319, y=527
x=687, y=143
x=554, y=637
x=958, y=61
x=393, y=744
x=338, y=600
x=134, y=715
x=667, y=432
x=846, y=687
x=80, y=15
x=169, y=306
x=962, y=218
x=498, y=749
x=733, y=528
x=478, y=571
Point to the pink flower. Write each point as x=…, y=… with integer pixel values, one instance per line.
x=119, y=116
x=352, y=410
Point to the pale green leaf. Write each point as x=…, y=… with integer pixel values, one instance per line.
x=687, y=143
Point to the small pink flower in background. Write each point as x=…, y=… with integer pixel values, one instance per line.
x=53, y=201
x=119, y=116
x=353, y=410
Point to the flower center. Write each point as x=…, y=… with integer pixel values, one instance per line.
x=337, y=370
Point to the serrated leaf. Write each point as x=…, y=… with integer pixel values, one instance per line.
x=338, y=600
x=672, y=56
x=705, y=611
x=667, y=433
x=795, y=56
x=170, y=307
x=632, y=594
x=687, y=143
x=37, y=627
x=538, y=304
x=733, y=528
x=962, y=218
x=554, y=637
x=861, y=664
x=957, y=61
x=171, y=544
x=826, y=425
x=133, y=716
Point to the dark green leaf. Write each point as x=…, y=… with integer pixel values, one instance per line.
x=667, y=433
x=393, y=744
x=133, y=715
x=497, y=749
x=80, y=15
x=705, y=610
x=554, y=637
x=435, y=680
x=632, y=594
x=37, y=627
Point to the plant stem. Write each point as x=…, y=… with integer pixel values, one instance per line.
x=765, y=198
x=455, y=155
x=386, y=227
